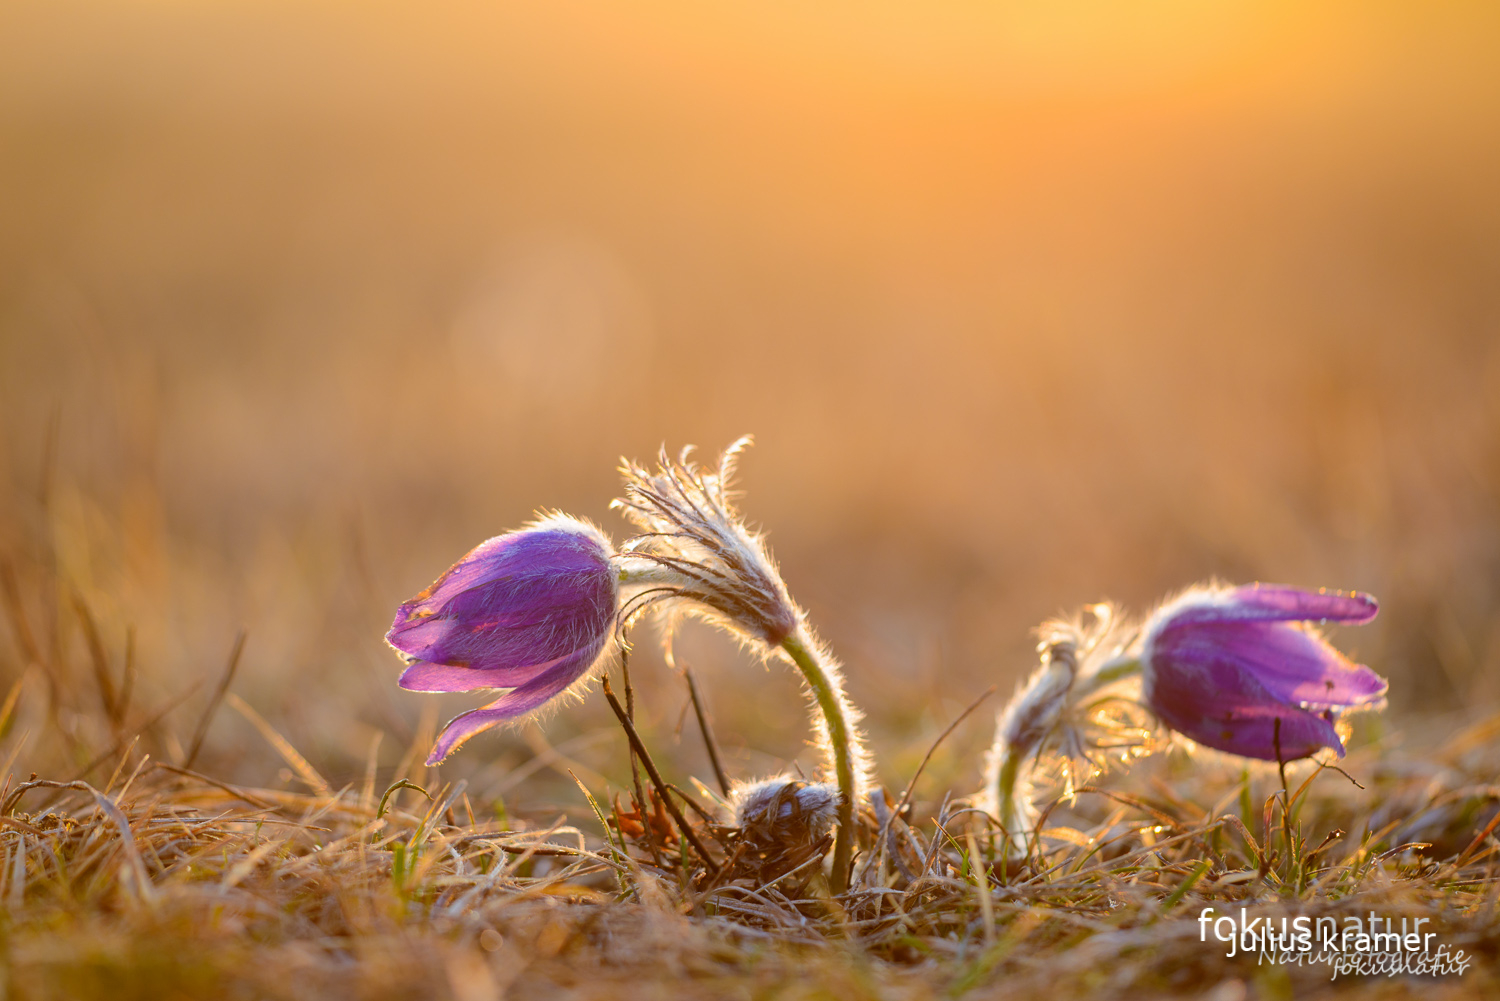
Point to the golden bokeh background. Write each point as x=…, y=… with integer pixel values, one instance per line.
x=1028, y=305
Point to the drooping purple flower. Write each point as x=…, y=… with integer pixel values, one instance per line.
x=1242, y=670
x=528, y=611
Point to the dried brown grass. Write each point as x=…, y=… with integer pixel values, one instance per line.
x=163, y=882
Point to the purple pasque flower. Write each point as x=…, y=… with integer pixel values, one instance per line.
x=528, y=611
x=1243, y=670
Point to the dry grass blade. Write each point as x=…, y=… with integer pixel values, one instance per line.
x=911, y=783
x=11, y=590
x=1467, y=853
x=709, y=742
x=305, y=771
x=201, y=731
x=120, y=744
x=98, y=658
x=234, y=791
x=662, y=791
x=127, y=674
x=140, y=882
x=8, y=708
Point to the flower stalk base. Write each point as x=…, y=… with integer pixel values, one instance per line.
x=838, y=745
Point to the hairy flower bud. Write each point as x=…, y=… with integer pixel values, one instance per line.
x=694, y=546
x=785, y=812
x=1021, y=729
x=1073, y=706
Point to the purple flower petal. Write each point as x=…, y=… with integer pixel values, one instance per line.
x=1293, y=665
x=510, y=609
x=530, y=611
x=477, y=566
x=1277, y=603
x=1219, y=705
x=424, y=676
x=1235, y=669
x=512, y=705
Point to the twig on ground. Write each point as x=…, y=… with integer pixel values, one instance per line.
x=656, y=779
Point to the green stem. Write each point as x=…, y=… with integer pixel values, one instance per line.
x=1108, y=673
x=1010, y=788
x=839, y=746
x=1011, y=814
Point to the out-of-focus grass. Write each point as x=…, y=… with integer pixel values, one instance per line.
x=166, y=882
x=1027, y=307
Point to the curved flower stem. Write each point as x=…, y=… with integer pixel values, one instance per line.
x=1013, y=814
x=841, y=744
x=1109, y=672
x=1022, y=729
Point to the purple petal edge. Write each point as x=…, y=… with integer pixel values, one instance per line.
x=1219, y=704
x=514, y=601
x=1253, y=734
x=1293, y=664
x=512, y=705
x=425, y=676
x=1280, y=603
x=1322, y=605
